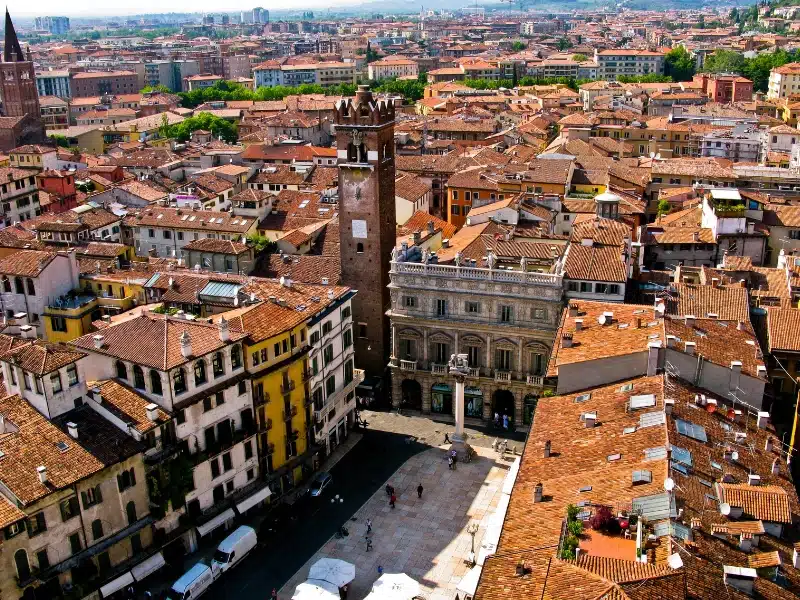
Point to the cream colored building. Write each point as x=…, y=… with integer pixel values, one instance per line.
x=784, y=81
x=392, y=67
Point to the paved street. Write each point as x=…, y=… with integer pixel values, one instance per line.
x=387, y=444
x=427, y=537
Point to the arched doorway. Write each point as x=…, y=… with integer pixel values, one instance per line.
x=410, y=395
x=473, y=402
x=503, y=407
x=529, y=408
x=21, y=562
x=442, y=399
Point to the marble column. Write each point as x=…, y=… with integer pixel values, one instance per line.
x=458, y=398
x=489, y=354
x=425, y=348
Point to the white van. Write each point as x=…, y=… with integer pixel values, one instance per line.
x=233, y=549
x=192, y=584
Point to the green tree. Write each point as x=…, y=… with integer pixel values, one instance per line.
x=218, y=127
x=60, y=140
x=518, y=46
x=411, y=90
x=262, y=244
x=724, y=61
x=564, y=43
x=664, y=207
x=155, y=88
x=580, y=57
x=679, y=64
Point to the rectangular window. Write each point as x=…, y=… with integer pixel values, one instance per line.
x=43, y=559
x=539, y=313
x=227, y=463
x=362, y=330
x=441, y=308
x=256, y=360
x=472, y=308
x=72, y=375
x=264, y=355
x=214, y=468
x=326, y=327
x=330, y=386
x=347, y=338
x=455, y=209
x=75, y=543
x=207, y=404
x=327, y=355
x=55, y=381
x=503, y=360
x=248, y=449
x=442, y=352
x=473, y=352
x=409, y=301
x=69, y=508
x=36, y=524
x=277, y=349
x=505, y=314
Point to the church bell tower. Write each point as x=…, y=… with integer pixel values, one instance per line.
x=18, y=79
x=367, y=226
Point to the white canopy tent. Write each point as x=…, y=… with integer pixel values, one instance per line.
x=335, y=571
x=316, y=589
x=395, y=586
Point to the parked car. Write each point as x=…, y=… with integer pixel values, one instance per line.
x=319, y=483
x=233, y=549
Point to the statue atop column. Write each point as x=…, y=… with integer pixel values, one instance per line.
x=459, y=369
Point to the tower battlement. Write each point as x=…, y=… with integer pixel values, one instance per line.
x=365, y=110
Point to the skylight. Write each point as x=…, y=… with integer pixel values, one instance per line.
x=582, y=398
x=681, y=455
x=656, y=453
x=651, y=419
x=62, y=446
x=643, y=401
x=642, y=477
x=626, y=387
x=696, y=432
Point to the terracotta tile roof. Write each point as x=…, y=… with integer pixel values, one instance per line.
x=782, y=215
x=419, y=222
x=720, y=342
x=177, y=218
x=31, y=441
x=690, y=217
x=595, y=341
x=157, y=340
x=307, y=268
x=729, y=303
x=88, y=217
x=9, y=513
x=41, y=357
x=283, y=174
x=764, y=502
x=106, y=249
x=693, y=167
x=682, y=235
x=605, y=232
x=470, y=241
x=126, y=404
x=764, y=559
x=184, y=287
x=738, y=527
x=294, y=209
x=410, y=187
x=218, y=246
x=595, y=263
x=26, y=263
x=323, y=178
x=783, y=329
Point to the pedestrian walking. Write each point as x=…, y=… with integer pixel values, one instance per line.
x=419, y=491
x=369, y=525
x=343, y=592
x=497, y=419
x=369, y=544
x=450, y=462
x=274, y=594
x=388, y=490
x=446, y=438
x=392, y=500
x=505, y=421
x=380, y=570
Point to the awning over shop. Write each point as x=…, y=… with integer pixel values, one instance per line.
x=146, y=567
x=211, y=525
x=254, y=499
x=117, y=584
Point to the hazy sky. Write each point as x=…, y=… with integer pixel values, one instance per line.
x=89, y=8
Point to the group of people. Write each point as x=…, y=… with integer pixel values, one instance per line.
x=452, y=459
x=504, y=420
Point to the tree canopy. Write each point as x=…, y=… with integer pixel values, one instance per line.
x=218, y=127
x=679, y=64
x=756, y=69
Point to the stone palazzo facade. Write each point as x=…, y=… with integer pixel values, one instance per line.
x=504, y=320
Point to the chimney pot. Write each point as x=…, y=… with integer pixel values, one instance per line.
x=547, y=449
x=763, y=419
x=538, y=492
x=573, y=310
x=42, y=472
x=72, y=429
x=186, y=344
x=578, y=324
x=224, y=330
x=689, y=320
x=152, y=412
x=98, y=341
x=690, y=348
x=566, y=340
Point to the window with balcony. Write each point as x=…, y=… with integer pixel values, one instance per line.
x=441, y=307
x=503, y=359
x=138, y=377
x=199, y=372
x=218, y=364
x=441, y=352
x=155, y=382
x=473, y=354
x=348, y=372
x=327, y=355
x=330, y=386
x=408, y=350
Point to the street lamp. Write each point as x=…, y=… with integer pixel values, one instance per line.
x=472, y=529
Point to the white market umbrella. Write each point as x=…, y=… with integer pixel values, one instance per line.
x=395, y=586
x=335, y=571
x=316, y=589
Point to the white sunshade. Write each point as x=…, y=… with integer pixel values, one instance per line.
x=316, y=589
x=117, y=584
x=395, y=586
x=335, y=571
x=146, y=567
x=251, y=501
x=469, y=582
x=206, y=528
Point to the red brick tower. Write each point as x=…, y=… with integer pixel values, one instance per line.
x=18, y=79
x=367, y=229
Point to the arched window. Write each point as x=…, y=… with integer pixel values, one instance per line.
x=97, y=529
x=179, y=381
x=236, y=357
x=31, y=288
x=122, y=370
x=352, y=152
x=218, y=364
x=18, y=287
x=199, y=372
x=130, y=510
x=360, y=248
x=23, y=568
x=138, y=377
x=155, y=382
x=6, y=284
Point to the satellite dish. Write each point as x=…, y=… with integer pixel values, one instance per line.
x=734, y=456
x=725, y=509
x=661, y=308
x=652, y=155
x=658, y=156
x=669, y=484
x=601, y=319
x=675, y=561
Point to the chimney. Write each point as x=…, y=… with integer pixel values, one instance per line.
x=430, y=227
x=72, y=429
x=589, y=420
x=740, y=326
x=690, y=348
x=566, y=340
x=638, y=322
x=609, y=317
x=417, y=237
x=751, y=227
x=27, y=332
x=796, y=556
x=547, y=449
x=573, y=310
x=224, y=329
x=768, y=444
x=325, y=281
x=186, y=344
x=578, y=324
x=689, y=320
x=446, y=243
x=761, y=371
x=736, y=374
x=652, y=358
x=330, y=294
x=42, y=471
x=714, y=282
x=695, y=523
x=745, y=542
x=776, y=467
x=669, y=404
x=753, y=479
x=152, y=412
x=537, y=492
x=671, y=341
x=763, y=419
x=696, y=236
x=98, y=341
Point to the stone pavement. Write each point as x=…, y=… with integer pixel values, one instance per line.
x=425, y=538
x=429, y=431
